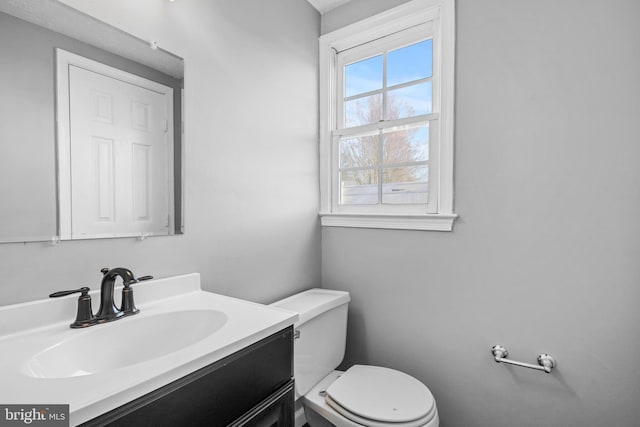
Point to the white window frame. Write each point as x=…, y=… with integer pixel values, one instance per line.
x=437, y=19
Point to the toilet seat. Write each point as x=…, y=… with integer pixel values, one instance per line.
x=378, y=397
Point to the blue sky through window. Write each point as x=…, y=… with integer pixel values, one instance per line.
x=410, y=63
x=364, y=76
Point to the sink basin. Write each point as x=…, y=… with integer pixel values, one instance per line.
x=123, y=343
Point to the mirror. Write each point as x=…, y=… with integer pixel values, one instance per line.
x=36, y=186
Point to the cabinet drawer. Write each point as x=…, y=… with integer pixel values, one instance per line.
x=215, y=395
x=275, y=411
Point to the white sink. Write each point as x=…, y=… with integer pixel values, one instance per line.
x=125, y=342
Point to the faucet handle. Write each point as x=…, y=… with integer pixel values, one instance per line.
x=128, y=306
x=84, y=290
x=84, y=316
x=104, y=270
x=133, y=280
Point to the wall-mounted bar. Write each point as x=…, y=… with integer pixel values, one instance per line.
x=545, y=361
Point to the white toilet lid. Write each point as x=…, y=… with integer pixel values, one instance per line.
x=381, y=394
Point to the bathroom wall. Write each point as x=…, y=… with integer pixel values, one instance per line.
x=250, y=156
x=544, y=256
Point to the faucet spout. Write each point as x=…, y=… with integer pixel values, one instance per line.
x=108, y=310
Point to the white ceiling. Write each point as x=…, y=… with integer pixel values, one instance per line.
x=324, y=6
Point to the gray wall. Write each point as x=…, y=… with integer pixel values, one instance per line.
x=544, y=256
x=250, y=157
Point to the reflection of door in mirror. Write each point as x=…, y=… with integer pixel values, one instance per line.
x=119, y=152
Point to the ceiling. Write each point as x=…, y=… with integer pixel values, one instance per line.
x=324, y=6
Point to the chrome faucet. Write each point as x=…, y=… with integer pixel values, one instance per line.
x=108, y=310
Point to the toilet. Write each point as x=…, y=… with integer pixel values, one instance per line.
x=363, y=395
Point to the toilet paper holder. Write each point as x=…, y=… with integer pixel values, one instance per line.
x=546, y=362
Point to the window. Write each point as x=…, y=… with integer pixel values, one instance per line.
x=386, y=134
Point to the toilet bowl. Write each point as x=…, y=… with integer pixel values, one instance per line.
x=371, y=396
x=363, y=395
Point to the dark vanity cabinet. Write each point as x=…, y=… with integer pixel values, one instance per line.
x=252, y=387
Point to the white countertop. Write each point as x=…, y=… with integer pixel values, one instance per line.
x=27, y=329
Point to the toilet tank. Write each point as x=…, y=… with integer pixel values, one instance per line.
x=322, y=325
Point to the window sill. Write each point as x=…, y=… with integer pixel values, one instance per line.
x=425, y=222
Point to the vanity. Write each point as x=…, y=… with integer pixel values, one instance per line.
x=190, y=357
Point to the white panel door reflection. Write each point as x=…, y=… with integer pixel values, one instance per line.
x=119, y=164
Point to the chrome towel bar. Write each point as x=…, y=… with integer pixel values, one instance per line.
x=545, y=361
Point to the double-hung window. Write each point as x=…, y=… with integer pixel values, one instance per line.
x=387, y=120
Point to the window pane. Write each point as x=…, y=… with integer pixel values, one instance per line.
x=410, y=63
x=406, y=185
x=360, y=151
x=359, y=187
x=363, y=76
x=363, y=111
x=406, y=145
x=409, y=101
